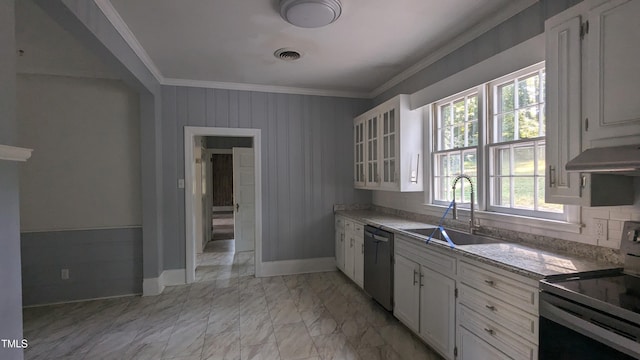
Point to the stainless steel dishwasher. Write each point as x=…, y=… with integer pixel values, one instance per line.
x=378, y=265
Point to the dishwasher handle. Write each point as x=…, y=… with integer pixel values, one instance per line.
x=376, y=237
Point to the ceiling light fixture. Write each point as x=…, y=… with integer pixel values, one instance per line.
x=310, y=13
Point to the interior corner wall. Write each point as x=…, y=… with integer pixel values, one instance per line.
x=307, y=163
x=81, y=190
x=10, y=273
x=87, y=22
x=520, y=27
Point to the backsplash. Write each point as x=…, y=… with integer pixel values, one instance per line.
x=591, y=251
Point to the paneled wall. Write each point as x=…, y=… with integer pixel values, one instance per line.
x=10, y=278
x=306, y=163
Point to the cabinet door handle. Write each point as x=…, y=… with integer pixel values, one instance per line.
x=421, y=278
x=491, y=307
x=490, y=282
x=362, y=245
x=351, y=242
x=341, y=237
x=490, y=331
x=552, y=176
x=415, y=281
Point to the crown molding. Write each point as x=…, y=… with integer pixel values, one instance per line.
x=263, y=88
x=123, y=29
x=508, y=11
x=12, y=153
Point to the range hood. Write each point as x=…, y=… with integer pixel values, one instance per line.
x=615, y=159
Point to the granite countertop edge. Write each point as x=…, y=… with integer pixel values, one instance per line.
x=522, y=260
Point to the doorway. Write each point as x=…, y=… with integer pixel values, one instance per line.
x=246, y=209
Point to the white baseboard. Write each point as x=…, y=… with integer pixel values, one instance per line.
x=152, y=286
x=155, y=286
x=301, y=266
x=174, y=277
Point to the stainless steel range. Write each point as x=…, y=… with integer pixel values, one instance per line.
x=594, y=315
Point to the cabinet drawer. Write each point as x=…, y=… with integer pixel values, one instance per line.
x=513, y=290
x=472, y=347
x=426, y=255
x=496, y=335
x=348, y=226
x=512, y=318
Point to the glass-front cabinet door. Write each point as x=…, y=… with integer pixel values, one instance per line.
x=389, y=140
x=359, y=157
x=372, y=173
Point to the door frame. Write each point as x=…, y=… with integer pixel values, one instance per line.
x=190, y=132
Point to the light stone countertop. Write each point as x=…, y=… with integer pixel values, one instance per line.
x=514, y=257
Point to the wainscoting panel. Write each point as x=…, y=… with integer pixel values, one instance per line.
x=101, y=263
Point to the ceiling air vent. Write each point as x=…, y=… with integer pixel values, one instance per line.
x=287, y=54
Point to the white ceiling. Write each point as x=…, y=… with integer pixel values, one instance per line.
x=232, y=41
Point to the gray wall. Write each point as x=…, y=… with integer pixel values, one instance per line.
x=521, y=27
x=85, y=21
x=307, y=165
x=228, y=142
x=100, y=262
x=10, y=277
x=85, y=172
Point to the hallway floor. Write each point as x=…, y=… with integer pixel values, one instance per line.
x=228, y=314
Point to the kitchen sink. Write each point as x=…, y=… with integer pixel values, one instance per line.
x=457, y=237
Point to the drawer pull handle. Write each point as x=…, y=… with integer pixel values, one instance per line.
x=490, y=331
x=491, y=307
x=415, y=281
x=490, y=282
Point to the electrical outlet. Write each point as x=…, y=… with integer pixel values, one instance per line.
x=64, y=274
x=601, y=229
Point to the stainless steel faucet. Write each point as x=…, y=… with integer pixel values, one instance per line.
x=454, y=211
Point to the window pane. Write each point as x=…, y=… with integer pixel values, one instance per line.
x=445, y=114
x=392, y=120
x=386, y=147
x=505, y=127
x=502, y=188
x=528, y=90
x=392, y=170
x=523, y=161
x=541, y=162
x=528, y=123
x=503, y=161
x=472, y=107
x=543, y=121
x=472, y=133
x=454, y=165
x=523, y=192
x=386, y=123
x=505, y=98
x=458, y=136
x=470, y=163
x=458, y=112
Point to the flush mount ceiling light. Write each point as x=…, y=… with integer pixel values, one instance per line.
x=310, y=13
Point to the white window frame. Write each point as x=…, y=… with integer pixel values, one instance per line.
x=490, y=144
x=486, y=102
x=434, y=109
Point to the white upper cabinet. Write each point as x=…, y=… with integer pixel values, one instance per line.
x=388, y=146
x=591, y=92
x=613, y=74
x=563, y=87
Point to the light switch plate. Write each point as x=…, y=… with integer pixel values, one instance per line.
x=180, y=183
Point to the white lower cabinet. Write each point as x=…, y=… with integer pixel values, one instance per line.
x=350, y=249
x=497, y=312
x=438, y=311
x=471, y=346
x=424, y=295
x=406, y=292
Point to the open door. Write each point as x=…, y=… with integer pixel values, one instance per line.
x=244, y=198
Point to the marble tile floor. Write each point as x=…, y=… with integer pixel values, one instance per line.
x=310, y=316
